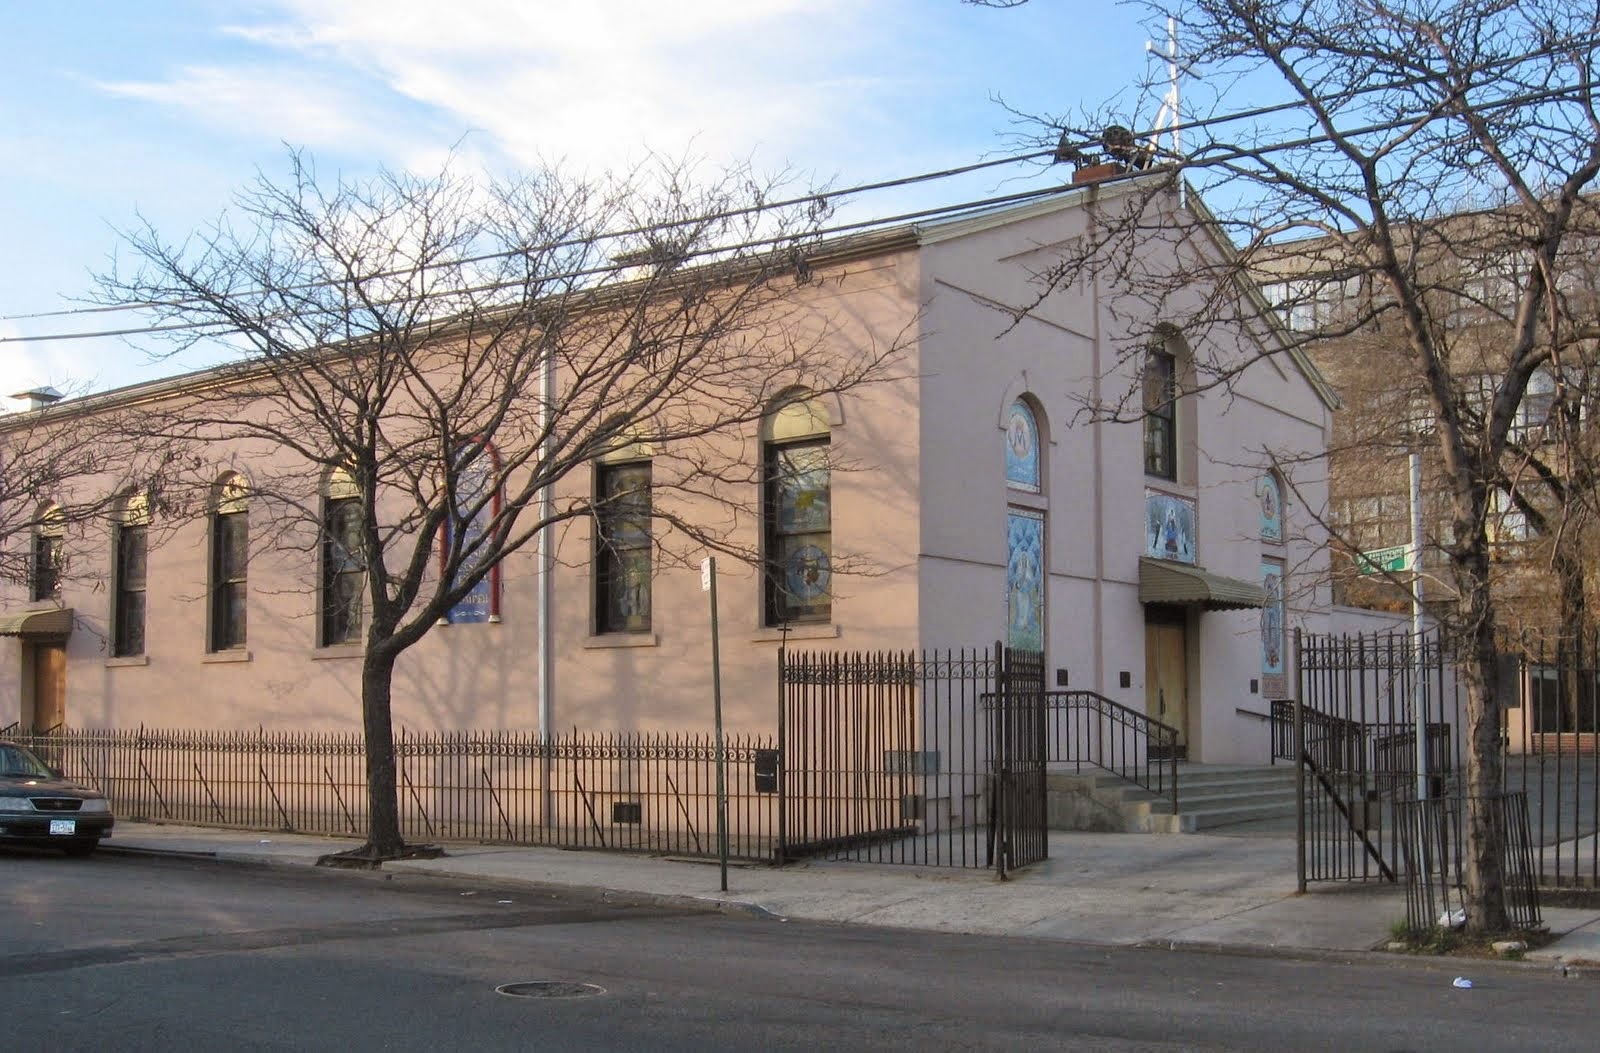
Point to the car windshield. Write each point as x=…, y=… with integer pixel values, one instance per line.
x=16, y=762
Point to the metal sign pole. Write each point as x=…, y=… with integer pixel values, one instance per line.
x=1418, y=696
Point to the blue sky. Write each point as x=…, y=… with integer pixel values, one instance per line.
x=163, y=109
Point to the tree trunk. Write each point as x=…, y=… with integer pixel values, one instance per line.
x=377, y=723
x=1484, y=849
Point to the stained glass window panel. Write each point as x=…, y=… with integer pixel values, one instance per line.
x=1270, y=499
x=1022, y=448
x=799, y=575
x=1025, y=579
x=623, y=548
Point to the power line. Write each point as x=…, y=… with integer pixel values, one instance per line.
x=816, y=197
x=823, y=196
x=222, y=326
x=820, y=197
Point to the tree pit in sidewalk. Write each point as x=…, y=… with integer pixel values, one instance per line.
x=368, y=858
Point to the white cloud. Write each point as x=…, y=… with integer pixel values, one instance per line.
x=597, y=83
x=259, y=100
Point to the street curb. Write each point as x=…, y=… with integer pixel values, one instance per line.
x=141, y=850
x=1442, y=963
x=596, y=893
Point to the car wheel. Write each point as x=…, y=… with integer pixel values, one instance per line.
x=80, y=848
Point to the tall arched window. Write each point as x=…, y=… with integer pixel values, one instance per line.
x=131, y=531
x=49, y=537
x=230, y=563
x=797, y=508
x=344, y=565
x=1026, y=573
x=623, y=545
x=1161, y=412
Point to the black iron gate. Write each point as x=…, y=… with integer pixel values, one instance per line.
x=933, y=758
x=1354, y=737
x=1017, y=745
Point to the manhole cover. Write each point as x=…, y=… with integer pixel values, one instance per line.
x=550, y=989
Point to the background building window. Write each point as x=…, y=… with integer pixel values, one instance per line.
x=128, y=606
x=1160, y=414
x=622, y=548
x=230, y=562
x=49, y=536
x=343, y=563
x=798, y=514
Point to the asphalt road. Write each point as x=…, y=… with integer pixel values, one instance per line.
x=129, y=953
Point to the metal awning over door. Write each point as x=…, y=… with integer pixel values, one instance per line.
x=55, y=624
x=1174, y=583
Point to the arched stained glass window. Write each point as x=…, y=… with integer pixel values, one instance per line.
x=1269, y=495
x=1022, y=448
x=798, y=512
x=230, y=562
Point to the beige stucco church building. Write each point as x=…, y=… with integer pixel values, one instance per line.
x=1038, y=470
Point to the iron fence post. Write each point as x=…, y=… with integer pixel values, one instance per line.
x=1299, y=765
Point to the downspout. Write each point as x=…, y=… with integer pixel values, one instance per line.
x=1097, y=433
x=546, y=506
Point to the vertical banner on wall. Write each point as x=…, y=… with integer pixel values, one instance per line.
x=474, y=482
x=1025, y=579
x=1274, y=670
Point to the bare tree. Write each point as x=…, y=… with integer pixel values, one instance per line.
x=426, y=360
x=1359, y=131
x=61, y=473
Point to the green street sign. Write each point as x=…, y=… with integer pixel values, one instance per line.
x=1394, y=558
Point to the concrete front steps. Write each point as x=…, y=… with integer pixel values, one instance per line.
x=1211, y=797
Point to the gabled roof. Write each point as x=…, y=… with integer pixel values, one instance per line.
x=872, y=241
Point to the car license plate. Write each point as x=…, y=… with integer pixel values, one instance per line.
x=66, y=827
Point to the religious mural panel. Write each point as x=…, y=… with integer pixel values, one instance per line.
x=1025, y=579
x=1169, y=527
x=1274, y=668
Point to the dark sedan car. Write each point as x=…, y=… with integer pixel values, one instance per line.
x=38, y=806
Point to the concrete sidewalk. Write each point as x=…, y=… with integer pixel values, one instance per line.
x=1176, y=890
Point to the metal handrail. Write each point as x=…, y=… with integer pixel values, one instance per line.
x=1090, y=728
x=1339, y=743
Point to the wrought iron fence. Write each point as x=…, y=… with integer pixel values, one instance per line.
x=1551, y=725
x=1358, y=751
x=898, y=758
x=631, y=792
x=1432, y=831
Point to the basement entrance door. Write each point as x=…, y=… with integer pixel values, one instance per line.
x=1166, y=672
